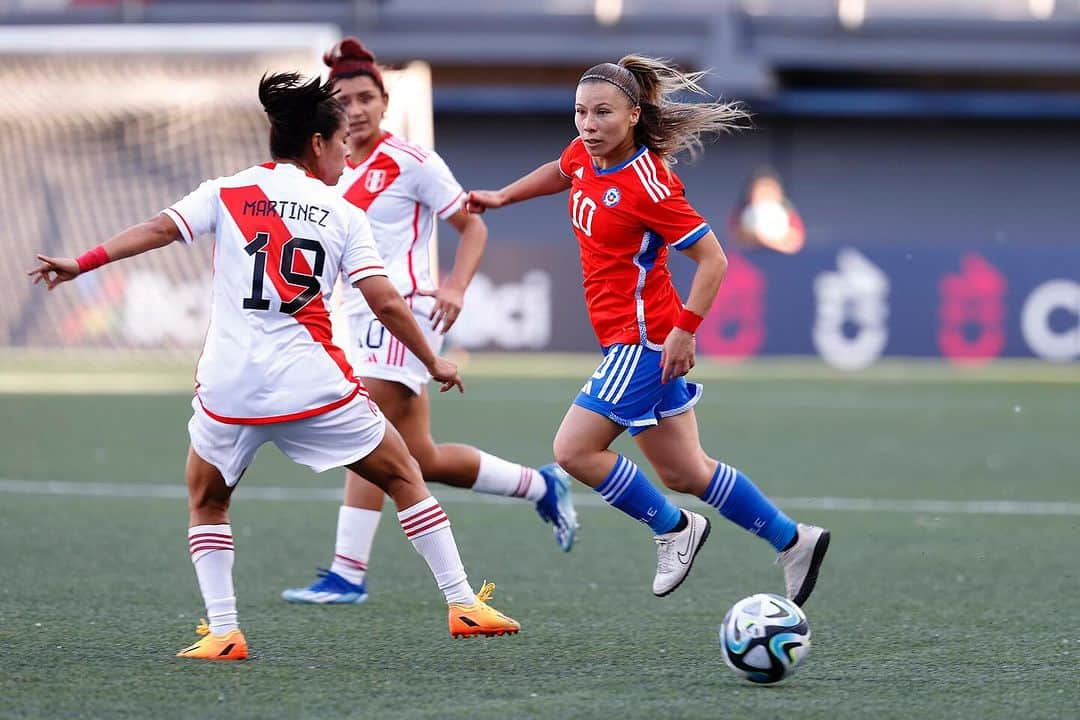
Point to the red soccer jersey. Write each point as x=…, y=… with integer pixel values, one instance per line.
x=624, y=218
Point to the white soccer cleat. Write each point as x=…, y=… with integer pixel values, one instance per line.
x=675, y=553
x=802, y=562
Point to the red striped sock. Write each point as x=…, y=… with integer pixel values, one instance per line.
x=502, y=477
x=426, y=526
x=207, y=538
x=423, y=518
x=211, y=548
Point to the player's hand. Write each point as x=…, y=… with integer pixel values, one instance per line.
x=446, y=372
x=448, y=303
x=677, y=357
x=477, y=201
x=54, y=270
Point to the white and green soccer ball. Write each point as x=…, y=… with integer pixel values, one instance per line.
x=764, y=638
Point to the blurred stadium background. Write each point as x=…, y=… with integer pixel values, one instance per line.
x=909, y=378
x=931, y=148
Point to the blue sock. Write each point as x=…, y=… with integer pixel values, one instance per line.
x=739, y=500
x=627, y=489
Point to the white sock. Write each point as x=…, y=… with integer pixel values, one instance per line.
x=502, y=477
x=355, y=533
x=428, y=529
x=211, y=548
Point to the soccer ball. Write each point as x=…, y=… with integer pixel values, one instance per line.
x=764, y=638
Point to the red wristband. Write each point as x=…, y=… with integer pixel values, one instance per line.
x=688, y=321
x=93, y=258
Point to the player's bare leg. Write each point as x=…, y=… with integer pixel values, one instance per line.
x=465, y=466
x=445, y=463
x=391, y=468
x=673, y=448
x=211, y=545
x=581, y=446
x=449, y=464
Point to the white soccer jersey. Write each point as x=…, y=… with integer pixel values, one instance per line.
x=282, y=238
x=402, y=188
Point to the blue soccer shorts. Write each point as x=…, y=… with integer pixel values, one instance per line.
x=626, y=388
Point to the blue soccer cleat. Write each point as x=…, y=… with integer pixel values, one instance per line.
x=557, y=506
x=329, y=589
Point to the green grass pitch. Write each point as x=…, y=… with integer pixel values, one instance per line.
x=918, y=613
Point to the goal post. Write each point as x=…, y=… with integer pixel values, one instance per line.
x=101, y=128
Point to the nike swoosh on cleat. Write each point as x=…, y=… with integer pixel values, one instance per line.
x=468, y=622
x=684, y=557
x=227, y=650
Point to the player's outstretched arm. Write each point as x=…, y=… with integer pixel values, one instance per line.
x=544, y=180
x=387, y=304
x=137, y=239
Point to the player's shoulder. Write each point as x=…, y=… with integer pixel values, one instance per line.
x=573, y=158
x=352, y=217
x=254, y=176
x=652, y=178
x=331, y=197
x=403, y=151
x=248, y=176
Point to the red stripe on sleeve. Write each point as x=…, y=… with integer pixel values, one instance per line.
x=190, y=234
x=451, y=203
x=366, y=267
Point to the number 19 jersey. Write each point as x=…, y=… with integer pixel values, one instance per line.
x=282, y=239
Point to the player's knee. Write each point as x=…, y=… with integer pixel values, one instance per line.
x=678, y=480
x=207, y=500
x=428, y=460
x=569, y=455
x=411, y=471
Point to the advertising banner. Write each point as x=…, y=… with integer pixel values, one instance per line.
x=848, y=305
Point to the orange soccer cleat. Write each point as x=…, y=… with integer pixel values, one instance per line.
x=480, y=618
x=230, y=646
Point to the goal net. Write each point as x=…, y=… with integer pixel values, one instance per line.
x=103, y=127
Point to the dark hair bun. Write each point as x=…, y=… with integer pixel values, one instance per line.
x=348, y=49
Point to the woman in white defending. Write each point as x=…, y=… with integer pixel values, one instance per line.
x=269, y=371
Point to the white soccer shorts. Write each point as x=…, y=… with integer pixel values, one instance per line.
x=333, y=439
x=375, y=353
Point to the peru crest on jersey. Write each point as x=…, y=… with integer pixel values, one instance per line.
x=402, y=188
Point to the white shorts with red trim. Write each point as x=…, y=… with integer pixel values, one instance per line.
x=375, y=353
x=333, y=439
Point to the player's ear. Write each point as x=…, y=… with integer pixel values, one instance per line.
x=635, y=115
x=318, y=145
